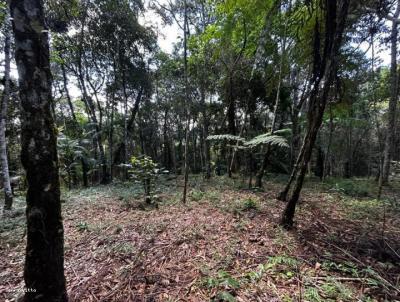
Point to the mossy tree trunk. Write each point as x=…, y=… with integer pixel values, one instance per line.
x=44, y=262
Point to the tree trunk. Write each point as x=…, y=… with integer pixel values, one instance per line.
x=91, y=109
x=186, y=168
x=44, y=262
x=85, y=170
x=328, y=148
x=166, y=143
x=263, y=167
x=335, y=21
x=391, y=127
x=8, y=196
x=121, y=147
x=125, y=171
x=309, y=141
x=111, y=138
x=231, y=116
x=264, y=164
x=319, y=169
x=71, y=106
x=77, y=127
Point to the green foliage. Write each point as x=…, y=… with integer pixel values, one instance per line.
x=122, y=248
x=282, y=260
x=196, y=195
x=311, y=294
x=145, y=170
x=264, y=139
x=249, y=204
x=225, y=137
x=329, y=290
x=257, y=275
x=70, y=154
x=82, y=226
x=225, y=283
x=223, y=279
x=275, y=139
x=350, y=187
x=226, y=296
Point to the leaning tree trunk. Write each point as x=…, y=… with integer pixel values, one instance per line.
x=391, y=127
x=44, y=262
x=8, y=196
x=336, y=15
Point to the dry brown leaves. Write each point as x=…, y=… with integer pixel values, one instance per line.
x=166, y=254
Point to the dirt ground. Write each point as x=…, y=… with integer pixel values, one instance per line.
x=223, y=245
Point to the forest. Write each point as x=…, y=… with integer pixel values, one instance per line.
x=199, y=150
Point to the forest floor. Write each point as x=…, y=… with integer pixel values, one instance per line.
x=223, y=245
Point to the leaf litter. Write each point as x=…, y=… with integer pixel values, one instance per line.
x=218, y=248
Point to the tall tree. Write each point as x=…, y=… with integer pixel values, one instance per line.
x=8, y=196
x=187, y=117
x=394, y=97
x=44, y=262
x=325, y=66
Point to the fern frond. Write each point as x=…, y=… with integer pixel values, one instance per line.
x=228, y=137
x=285, y=131
x=274, y=140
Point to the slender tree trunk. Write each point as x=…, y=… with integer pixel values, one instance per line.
x=85, y=170
x=309, y=141
x=231, y=123
x=295, y=146
x=264, y=164
x=335, y=20
x=173, y=154
x=92, y=112
x=186, y=168
x=44, y=262
x=319, y=169
x=125, y=127
x=130, y=127
x=8, y=196
x=77, y=127
x=394, y=96
x=65, y=82
x=166, y=145
x=111, y=138
x=328, y=148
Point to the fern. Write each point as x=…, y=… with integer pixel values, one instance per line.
x=266, y=138
x=228, y=137
x=285, y=131
x=274, y=140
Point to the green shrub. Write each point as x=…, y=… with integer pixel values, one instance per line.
x=145, y=170
x=249, y=204
x=350, y=187
x=82, y=226
x=196, y=195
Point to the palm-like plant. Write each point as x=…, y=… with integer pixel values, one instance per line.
x=70, y=154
